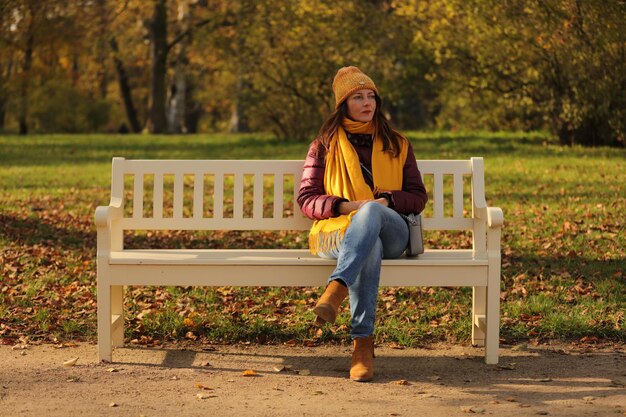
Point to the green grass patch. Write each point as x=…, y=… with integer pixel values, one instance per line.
x=563, y=245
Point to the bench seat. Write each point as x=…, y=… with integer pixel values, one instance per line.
x=276, y=267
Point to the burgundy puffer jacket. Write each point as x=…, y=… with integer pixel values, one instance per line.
x=316, y=204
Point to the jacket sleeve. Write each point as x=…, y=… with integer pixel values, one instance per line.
x=412, y=198
x=312, y=197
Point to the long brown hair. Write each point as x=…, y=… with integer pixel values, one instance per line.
x=391, y=138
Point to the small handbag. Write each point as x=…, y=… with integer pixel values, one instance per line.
x=416, y=239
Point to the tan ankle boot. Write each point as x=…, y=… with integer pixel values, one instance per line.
x=362, y=369
x=328, y=304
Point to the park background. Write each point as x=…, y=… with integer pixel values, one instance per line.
x=536, y=88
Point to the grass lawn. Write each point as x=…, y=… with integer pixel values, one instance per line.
x=564, y=246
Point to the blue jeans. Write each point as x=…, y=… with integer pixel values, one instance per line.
x=376, y=232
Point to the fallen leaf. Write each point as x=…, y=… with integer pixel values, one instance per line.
x=508, y=367
x=113, y=370
x=249, y=372
x=70, y=362
x=200, y=386
x=204, y=396
x=280, y=368
x=402, y=382
x=318, y=392
x=472, y=409
x=618, y=382
x=291, y=342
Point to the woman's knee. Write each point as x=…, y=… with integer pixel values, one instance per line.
x=371, y=209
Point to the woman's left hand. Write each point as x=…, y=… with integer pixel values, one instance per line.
x=383, y=201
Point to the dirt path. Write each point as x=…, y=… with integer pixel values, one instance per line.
x=444, y=380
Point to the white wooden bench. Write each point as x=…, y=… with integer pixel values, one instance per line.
x=260, y=195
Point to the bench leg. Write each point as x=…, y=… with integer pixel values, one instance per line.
x=104, y=322
x=479, y=310
x=117, y=315
x=110, y=319
x=492, y=344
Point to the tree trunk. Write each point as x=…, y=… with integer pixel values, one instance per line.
x=101, y=48
x=178, y=96
x=3, y=112
x=238, y=122
x=5, y=74
x=28, y=60
x=193, y=111
x=125, y=90
x=158, y=53
x=177, y=103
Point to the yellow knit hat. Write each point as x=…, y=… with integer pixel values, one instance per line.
x=349, y=80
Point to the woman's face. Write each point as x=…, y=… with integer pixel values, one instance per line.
x=362, y=105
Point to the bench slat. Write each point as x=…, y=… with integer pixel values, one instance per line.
x=158, y=196
x=457, y=194
x=296, y=275
x=438, y=195
x=279, y=182
x=138, y=196
x=198, y=195
x=223, y=223
x=178, y=195
x=276, y=257
x=238, y=196
x=257, y=203
x=218, y=196
x=457, y=167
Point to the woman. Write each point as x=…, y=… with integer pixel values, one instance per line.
x=359, y=173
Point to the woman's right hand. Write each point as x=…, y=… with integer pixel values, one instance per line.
x=347, y=207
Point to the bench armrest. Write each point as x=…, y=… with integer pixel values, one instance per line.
x=106, y=214
x=109, y=237
x=495, y=217
x=492, y=215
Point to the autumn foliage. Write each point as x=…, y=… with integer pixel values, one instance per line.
x=186, y=66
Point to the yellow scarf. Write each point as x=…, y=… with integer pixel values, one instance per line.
x=343, y=177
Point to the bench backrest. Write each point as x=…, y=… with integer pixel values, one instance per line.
x=260, y=194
